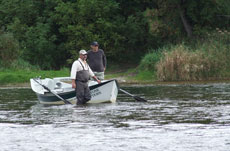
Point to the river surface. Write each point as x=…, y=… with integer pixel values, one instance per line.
x=175, y=118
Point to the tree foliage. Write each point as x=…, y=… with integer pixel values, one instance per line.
x=173, y=18
x=50, y=32
x=9, y=49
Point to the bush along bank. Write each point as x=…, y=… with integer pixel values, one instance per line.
x=204, y=59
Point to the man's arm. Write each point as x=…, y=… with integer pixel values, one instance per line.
x=95, y=78
x=73, y=74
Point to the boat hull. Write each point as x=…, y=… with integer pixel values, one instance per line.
x=100, y=93
x=49, y=98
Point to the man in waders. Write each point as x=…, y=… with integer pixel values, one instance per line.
x=80, y=75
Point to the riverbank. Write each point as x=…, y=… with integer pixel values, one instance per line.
x=128, y=79
x=120, y=76
x=21, y=78
x=125, y=75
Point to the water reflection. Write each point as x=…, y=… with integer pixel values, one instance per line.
x=176, y=117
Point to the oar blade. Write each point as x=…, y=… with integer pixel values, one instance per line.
x=139, y=99
x=67, y=102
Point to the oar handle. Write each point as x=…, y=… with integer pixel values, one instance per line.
x=126, y=92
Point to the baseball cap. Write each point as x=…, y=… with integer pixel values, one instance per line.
x=94, y=43
x=83, y=52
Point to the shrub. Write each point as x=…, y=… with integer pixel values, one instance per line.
x=182, y=64
x=149, y=61
x=209, y=61
x=9, y=49
x=21, y=64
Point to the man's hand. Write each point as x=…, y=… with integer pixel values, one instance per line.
x=98, y=81
x=73, y=84
x=95, y=78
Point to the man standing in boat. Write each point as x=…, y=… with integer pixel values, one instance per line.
x=97, y=60
x=80, y=75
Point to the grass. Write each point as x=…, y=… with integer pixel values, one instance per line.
x=120, y=71
x=130, y=74
x=146, y=76
x=16, y=77
x=11, y=77
x=23, y=76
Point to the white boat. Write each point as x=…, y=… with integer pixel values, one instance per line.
x=106, y=91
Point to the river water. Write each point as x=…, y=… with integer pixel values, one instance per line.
x=175, y=118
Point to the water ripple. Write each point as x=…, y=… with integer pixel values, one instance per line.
x=176, y=117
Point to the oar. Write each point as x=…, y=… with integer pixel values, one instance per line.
x=135, y=97
x=45, y=87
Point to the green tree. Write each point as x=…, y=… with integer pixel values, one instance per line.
x=173, y=18
x=40, y=48
x=31, y=24
x=9, y=49
x=52, y=31
x=84, y=21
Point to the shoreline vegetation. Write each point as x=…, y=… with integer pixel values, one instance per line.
x=144, y=41
x=124, y=76
x=125, y=80
x=202, y=61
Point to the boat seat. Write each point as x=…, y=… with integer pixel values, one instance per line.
x=58, y=85
x=50, y=83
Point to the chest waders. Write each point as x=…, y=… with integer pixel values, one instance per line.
x=82, y=88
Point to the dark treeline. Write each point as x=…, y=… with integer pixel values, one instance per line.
x=49, y=33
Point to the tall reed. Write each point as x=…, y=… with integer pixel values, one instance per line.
x=208, y=60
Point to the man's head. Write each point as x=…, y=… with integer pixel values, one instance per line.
x=83, y=54
x=94, y=45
